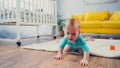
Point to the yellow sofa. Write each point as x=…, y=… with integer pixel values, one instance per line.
x=99, y=22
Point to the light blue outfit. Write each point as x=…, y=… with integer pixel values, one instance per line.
x=79, y=43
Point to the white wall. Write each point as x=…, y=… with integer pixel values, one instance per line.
x=68, y=7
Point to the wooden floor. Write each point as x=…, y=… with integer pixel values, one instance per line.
x=13, y=57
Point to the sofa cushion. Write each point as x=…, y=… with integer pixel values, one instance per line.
x=109, y=15
x=93, y=24
x=74, y=17
x=100, y=30
x=96, y=16
x=115, y=16
x=111, y=24
x=79, y=17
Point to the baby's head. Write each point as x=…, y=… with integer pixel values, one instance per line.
x=72, y=30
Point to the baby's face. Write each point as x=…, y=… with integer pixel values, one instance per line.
x=72, y=34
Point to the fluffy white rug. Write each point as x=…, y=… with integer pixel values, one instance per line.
x=99, y=47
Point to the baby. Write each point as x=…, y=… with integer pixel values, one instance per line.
x=74, y=42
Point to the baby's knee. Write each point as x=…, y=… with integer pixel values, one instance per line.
x=80, y=50
x=67, y=49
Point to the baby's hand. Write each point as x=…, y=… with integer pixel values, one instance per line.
x=59, y=57
x=83, y=62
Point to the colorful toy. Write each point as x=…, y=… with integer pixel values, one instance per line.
x=112, y=47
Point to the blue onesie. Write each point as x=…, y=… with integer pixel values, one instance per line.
x=79, y=43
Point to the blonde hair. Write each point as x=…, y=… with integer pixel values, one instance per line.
x=73, y=23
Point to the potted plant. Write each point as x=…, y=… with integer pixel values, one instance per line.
x=60, y=22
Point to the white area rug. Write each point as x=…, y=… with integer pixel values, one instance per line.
x=99, y=47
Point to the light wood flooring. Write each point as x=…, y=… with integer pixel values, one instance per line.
x=13, y=57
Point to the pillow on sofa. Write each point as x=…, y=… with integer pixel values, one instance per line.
x=115, y=16
x=74, y=17
x=96, y=16
x=110, y=14
x=79, y=17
